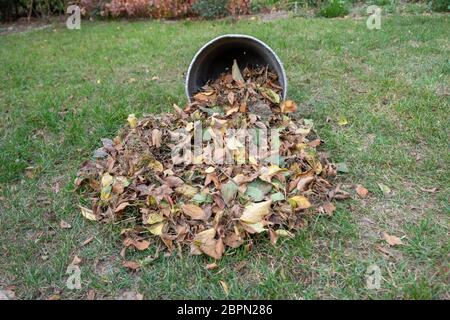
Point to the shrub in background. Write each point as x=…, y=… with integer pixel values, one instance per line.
x=210, y=9
x=239, y=7
x=440, y=5
x=148, y=8
x=92, y=8
x=170, y=8
x=334, y=8
x=128, y=8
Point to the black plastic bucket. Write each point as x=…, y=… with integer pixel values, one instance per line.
x=217, y=57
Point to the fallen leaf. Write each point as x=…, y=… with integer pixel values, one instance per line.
x=229, y=191
x=156, y=138
x=299, y=202
x=230, y=97
x=284, y=233
x=361, y=191
x=155, y=165
x=342, y=121
x=210, y=170
x=173, y=181
x=268, y=172
x=132, y=120
x=258, y=189
x=288, y=106
x=152, y=218
x=87, y=241
x=88, y=214
x=121, y=206
x=329, y=208
x=7, y=295
x=392, y=240
x=207, y=244
x=141, y=245
x=90, y=294
x=187, y=190
x=430, y=190
x=131, y=265
x=384, y=188
x=157, y=228
x=271, y=95
x=236, y=73
x=193, y=211
x=76, y=260
x=64, y=225
x=255, y=212
x=130, y=295
x=211, y=266
x=224, y=287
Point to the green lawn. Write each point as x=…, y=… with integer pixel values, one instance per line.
x=62, y=90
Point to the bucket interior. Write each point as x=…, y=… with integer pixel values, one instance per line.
x=217, y=57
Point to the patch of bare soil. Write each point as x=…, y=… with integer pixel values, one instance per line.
x=23, y=25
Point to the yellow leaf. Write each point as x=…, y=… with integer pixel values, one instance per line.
x=132, y=120
x=225, y=287
x=105, y=194
x=342, y=121
x=88, y=214
x=107, y=179
x=187, y=190
x=268, y=172
x=156, y=228
x=210, y=170
x=155, y=165
x=284, y=233
x=300, y=202
x=255, y=212
x=152, y=218
x=257, y=227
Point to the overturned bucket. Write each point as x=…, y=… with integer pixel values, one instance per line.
x=217, y=57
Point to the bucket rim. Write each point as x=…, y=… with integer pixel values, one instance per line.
x=234, y=35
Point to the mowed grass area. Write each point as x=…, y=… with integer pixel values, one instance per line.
x=62, y=90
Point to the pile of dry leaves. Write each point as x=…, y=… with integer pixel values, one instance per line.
x=179, y=195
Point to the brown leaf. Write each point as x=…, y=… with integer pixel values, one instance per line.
x=430, y=190
x=87, y=241
x=392, y=240
x=64, y=225
x=173, y=181
x=236, y=73
x=156, y=138
x=207, y=244
x=211, y=266
x=138, y=244
x=90, y=294
x=361, y=191
x=131, y=265
x=230, y=97
x=288, y=106
x=329, y=208
x=76, y=260
x=121, y=206
x=193, y=211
